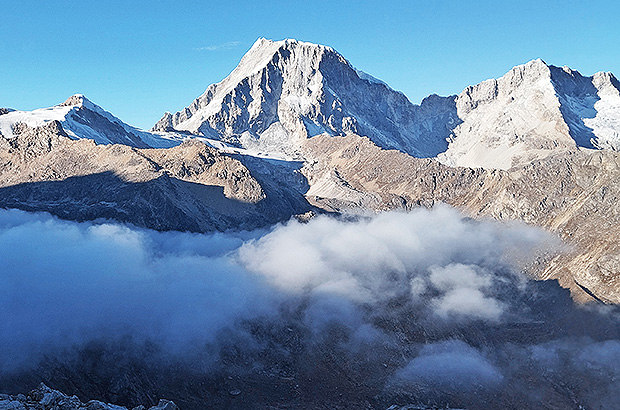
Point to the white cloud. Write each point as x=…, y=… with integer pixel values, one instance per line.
x=386, y=295
x=464, y=288
x=66, y=282
x=222, y=46
x=450, y=365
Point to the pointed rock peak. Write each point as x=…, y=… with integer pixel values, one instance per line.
x=262, y=43
x=266, y=52
x=565, y=71
x=75, y=99
x=527, y=73
x=79, y=100
x=568, y=70
x=165, y=124
x=538, y=61
x=264, y=49
x=606, y=83
x=536, y=66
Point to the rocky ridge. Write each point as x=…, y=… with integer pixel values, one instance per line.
x=284, y=92
x=190, y=187
x=81, y=118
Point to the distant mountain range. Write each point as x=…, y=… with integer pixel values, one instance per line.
x=296, y=130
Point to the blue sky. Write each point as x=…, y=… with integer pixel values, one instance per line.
x=139, y=59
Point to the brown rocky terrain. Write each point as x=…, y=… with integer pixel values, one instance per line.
x=191, y=187
x=572, y=193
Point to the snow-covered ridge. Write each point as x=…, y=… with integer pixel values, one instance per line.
x=368, y=77
x=81, y=118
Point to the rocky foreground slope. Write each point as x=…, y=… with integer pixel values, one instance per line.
x=44, y=398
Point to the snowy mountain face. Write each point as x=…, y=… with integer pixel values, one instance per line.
x=80, y=118
x=283, y=92
x=532, y=111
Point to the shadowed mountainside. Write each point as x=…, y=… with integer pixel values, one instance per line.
x=191, y=187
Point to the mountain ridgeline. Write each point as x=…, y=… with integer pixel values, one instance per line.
x=286, y=91
x=283, y=92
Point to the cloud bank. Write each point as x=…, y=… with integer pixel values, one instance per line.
x=423, y=307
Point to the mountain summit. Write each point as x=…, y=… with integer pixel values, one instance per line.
x=533, y=110
x=283, y=92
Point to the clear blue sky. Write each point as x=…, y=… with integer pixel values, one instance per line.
x=139, y=59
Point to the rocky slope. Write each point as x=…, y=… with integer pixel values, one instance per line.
x=578, y=199
x=189, y=187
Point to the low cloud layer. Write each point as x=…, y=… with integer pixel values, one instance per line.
x=451, y=366
x=423, y=306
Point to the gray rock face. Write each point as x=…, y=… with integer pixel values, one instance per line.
x=531, y=112
x=286, y=91
x=44, y=398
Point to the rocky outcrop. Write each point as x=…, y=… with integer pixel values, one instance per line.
x=44, y=398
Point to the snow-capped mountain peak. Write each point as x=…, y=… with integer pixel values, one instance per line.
x=532, y=111
x=283, y=92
